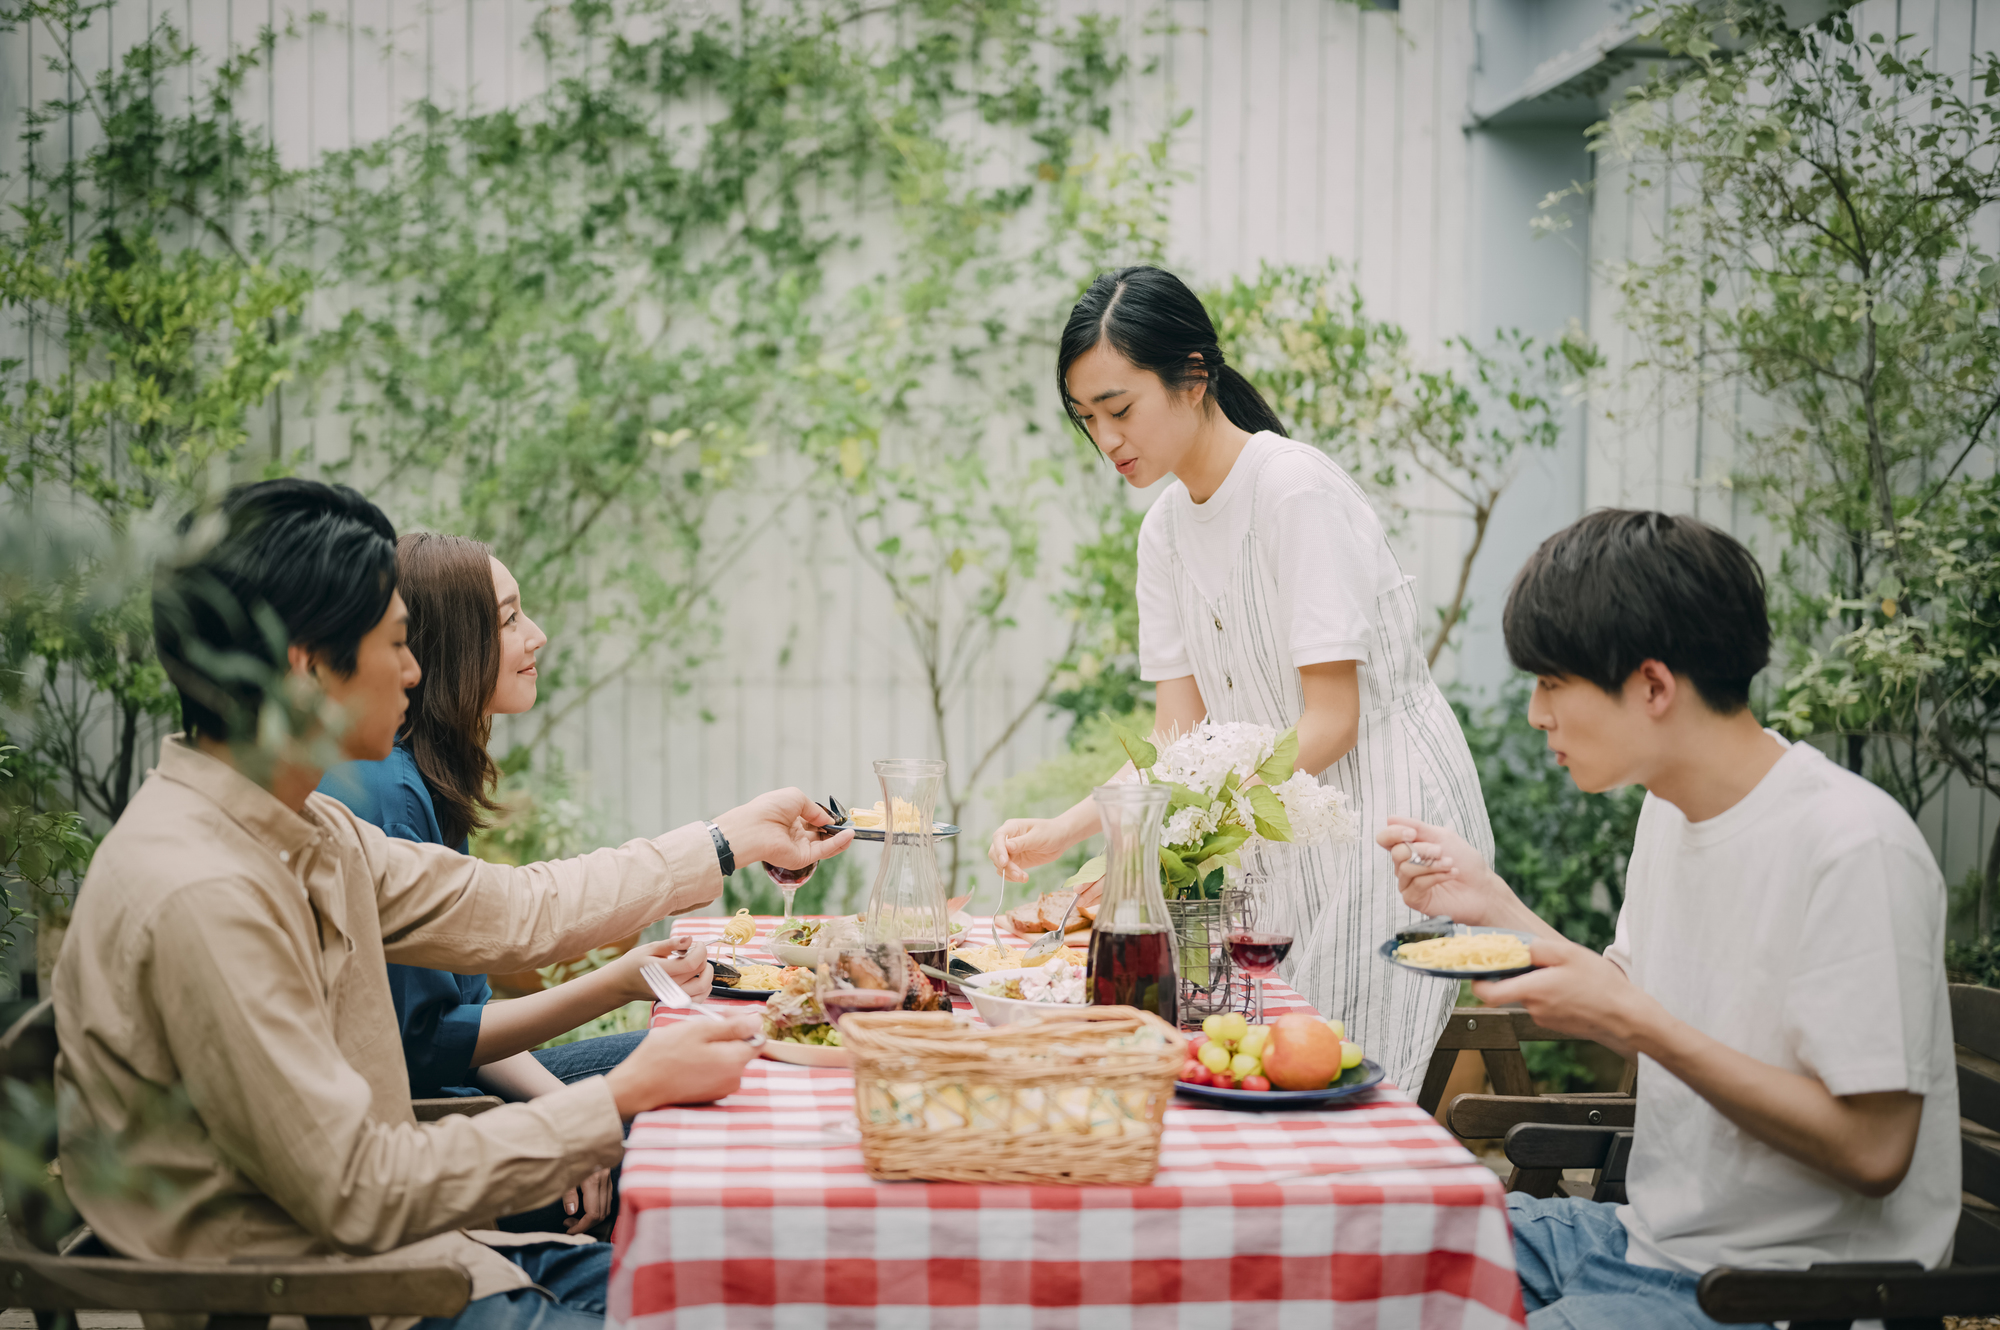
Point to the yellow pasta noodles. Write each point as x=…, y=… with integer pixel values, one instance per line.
x=1467, y=951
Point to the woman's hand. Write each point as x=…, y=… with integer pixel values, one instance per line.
x=780, y=829
x=685, y=961
x=1023, y=843
x=589, y=1203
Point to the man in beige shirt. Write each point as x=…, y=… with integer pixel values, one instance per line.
x=222, y=1003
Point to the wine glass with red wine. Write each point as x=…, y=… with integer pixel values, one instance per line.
x=1259, y=954
x=789, y=880
x=861, y=974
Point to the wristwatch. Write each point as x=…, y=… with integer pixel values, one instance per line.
x=725, y=856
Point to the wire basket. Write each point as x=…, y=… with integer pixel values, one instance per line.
x=1072, y=1100
x=1210, y=982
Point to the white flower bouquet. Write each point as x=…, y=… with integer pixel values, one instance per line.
x=1232, y=783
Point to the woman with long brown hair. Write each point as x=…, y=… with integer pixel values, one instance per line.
x=477, y=646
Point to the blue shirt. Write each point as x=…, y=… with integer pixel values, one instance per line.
x=438, y=1011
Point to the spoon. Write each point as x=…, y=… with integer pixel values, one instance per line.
x=1050, y=942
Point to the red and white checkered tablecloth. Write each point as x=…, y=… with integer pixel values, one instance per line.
x=757, y=1212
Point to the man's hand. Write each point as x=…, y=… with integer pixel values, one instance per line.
x=1577, y=992
x=589, y=1203
x=689, y=1062
x=684, y=960
x=1452, y=878
x=779, y=829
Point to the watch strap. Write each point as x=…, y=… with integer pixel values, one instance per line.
x=724, y=856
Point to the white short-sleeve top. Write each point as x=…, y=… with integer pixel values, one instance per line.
x=1315, y=528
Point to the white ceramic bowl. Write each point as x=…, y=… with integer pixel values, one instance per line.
x=997, y=1010
x=787, y=953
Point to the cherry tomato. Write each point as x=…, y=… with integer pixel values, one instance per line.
x=1194, y=1073
x=1257, y=1083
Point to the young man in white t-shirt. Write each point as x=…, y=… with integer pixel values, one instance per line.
x=1778, y=967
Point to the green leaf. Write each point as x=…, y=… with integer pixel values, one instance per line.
x=1223, y=840
x=1269, y=811
x=1091, y=871
x=1177, y=870
x=1284, y=759
x=1187, y=798
x=1142, y=753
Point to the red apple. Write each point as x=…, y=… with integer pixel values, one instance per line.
x=1302, y=1054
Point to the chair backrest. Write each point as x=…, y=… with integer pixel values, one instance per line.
x=1975, y=1028
x=1497, y=1034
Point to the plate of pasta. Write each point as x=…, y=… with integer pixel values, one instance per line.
x=1459, y=951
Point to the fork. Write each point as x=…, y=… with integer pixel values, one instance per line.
x=673, y=995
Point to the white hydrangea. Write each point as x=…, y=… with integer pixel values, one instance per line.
x=1188, y=826
x=1203, y=758
x=1318, y=813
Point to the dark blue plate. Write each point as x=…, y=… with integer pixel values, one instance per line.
x=1387, y=951
x=1261, y=1100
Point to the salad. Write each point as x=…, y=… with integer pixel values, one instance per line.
x=793, y=1014
x=1058, y=981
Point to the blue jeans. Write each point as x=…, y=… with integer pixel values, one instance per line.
x=571, y=1063
x=1574, y=1275
x=576, y=1279
x=588, y=1057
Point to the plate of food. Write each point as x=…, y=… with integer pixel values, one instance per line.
x=796, y=1029
x=748, y=979
x=1459, y=951
x=798, y=941
x=868, y=823
x=1299, y=1060
x=1353, y=1081
x=1055, y=988
x=1046, y=913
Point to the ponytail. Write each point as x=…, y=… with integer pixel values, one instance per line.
x=1152, y=319
x=1241, y=402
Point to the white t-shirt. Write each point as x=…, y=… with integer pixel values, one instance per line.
x=1804, y=927
x=1310, y=518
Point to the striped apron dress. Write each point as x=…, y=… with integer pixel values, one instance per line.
x=1340, y=901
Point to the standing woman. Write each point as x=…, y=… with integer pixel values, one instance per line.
x=1268, y=593
x=476, y=647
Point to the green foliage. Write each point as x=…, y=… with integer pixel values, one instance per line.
x=1975, y=962
x=1563, y=851
x=43, y=854
x=542, y=815
x=1824, y=250
x=176, y=321
x=1921, y=660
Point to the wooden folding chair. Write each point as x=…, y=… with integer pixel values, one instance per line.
x=1831, y=1296
x=1497, y=1033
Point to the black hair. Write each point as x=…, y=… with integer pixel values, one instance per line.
x=294, y=562
x=1622, y=586
x=1154, y=321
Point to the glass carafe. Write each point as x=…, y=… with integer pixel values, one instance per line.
x=907, y=904
x=1132, y=961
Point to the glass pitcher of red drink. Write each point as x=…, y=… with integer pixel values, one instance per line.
x=1132, y=952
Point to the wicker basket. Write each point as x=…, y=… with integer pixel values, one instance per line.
x=1074, y=1099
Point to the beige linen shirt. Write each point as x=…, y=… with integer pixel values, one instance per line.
x=229, y=949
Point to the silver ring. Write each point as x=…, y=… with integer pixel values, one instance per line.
x=1417, y=860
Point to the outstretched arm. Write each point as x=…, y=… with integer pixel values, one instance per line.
x=1023, y=843
x=514, y=1025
